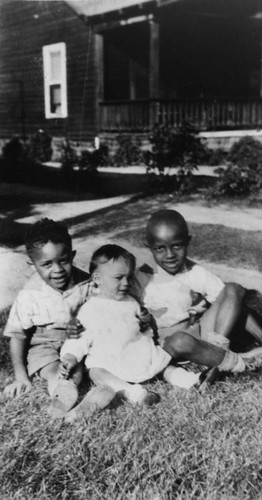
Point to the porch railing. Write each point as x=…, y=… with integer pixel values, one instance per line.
x=205, y=114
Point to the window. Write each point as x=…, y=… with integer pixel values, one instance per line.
x=54, y=57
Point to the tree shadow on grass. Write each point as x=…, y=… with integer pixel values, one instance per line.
x=12, y=231
x=17, y=201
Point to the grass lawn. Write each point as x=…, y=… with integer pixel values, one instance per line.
x=189, y=446
x=210, y=242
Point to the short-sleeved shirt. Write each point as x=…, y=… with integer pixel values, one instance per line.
x=168, y=297
x=44, y=311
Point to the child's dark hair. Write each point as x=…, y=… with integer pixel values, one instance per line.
x=111, y=252
x=46, y=230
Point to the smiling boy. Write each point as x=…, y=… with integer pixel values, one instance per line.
x=168, y=292
x=40, y=314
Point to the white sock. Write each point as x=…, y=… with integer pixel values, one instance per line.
x=232, y=362
x=179, y=377
x=135, y=393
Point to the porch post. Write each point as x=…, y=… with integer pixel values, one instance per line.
x=260, y=89
x=99, y=76
x=153, y=69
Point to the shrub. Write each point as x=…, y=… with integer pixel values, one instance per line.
x=40, y=146
x=22, y=157
x=83, y=160
x=181, y=148
x=247, y=152
x=237, y=180
x=128, y=151
x=13, y=151
x=216, y=157
x=15, y=160
x=69, y=156
x=80, y=167
x=243, y=174
x=93, y=159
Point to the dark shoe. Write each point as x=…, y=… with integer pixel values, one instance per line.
x=208, y=378
x=150, y=399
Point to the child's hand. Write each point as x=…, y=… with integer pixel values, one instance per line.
x=17, y=388
x=74, y=329
x=67, y=363
x=196, y=311
x=144, y=319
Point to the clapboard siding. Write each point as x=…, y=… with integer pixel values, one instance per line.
x=25, y=27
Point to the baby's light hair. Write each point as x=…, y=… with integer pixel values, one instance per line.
x=169, y=218
x=46, y=230
x=111, y=252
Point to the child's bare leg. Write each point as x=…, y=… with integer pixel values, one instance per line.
x=253, y=304
x=254, y=328
x=181, y=344
x=98, y=398
x=106, y=387
x=221, y=319
x=103, y=377
x=64, y=393
x=224, y=314
x=134, y=393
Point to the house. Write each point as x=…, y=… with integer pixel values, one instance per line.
x=99, y=68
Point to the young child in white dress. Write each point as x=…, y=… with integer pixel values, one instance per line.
x=119, y=356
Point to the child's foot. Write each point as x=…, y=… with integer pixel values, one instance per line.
x=252, y=358
x=179, y=377
x=136, y=394
x=63, y=399
x=96, y=399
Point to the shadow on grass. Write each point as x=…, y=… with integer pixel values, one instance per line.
x=47, y=185
x=12, y=232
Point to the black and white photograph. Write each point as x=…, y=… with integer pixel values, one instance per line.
x=131, y=249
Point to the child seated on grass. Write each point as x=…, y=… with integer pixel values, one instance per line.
x=197, y=333
x=119, y=356
x=40, y=314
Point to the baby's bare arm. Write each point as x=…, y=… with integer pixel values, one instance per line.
x=21, y=383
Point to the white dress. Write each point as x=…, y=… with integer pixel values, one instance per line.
x=112, y=340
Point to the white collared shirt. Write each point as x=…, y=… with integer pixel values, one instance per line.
x=39, y=305
x=168, y=297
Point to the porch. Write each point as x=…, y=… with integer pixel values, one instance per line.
x=196, y=62
x=139, y=115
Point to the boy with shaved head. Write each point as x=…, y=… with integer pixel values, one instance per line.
x=195, y=312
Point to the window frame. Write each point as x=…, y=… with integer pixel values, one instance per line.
x=48, y=81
